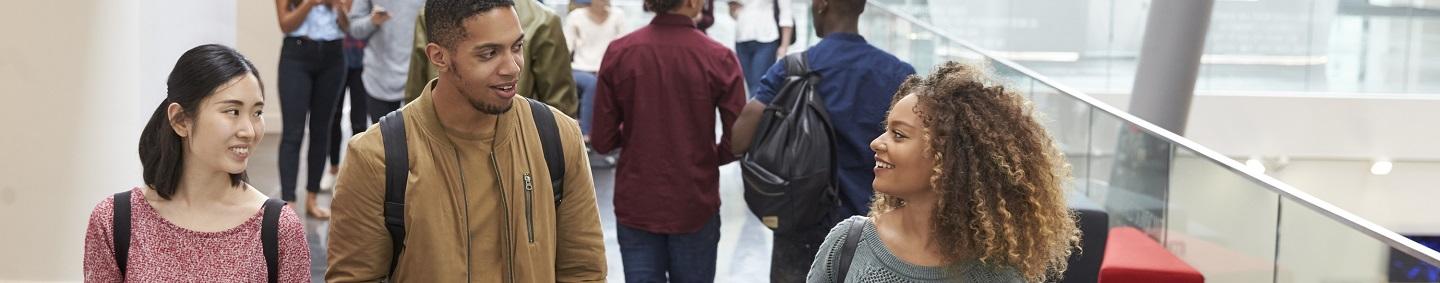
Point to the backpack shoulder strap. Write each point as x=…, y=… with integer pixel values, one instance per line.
x=121, y=233
x=795, y=64
x=847, y=251
x=550, y=141
x=397, y=167
x=270, y=237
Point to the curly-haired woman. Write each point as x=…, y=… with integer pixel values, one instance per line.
x=968, y=188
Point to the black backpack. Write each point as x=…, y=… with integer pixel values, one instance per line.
x=397, y=167
x=789, y=170
x=269, y=234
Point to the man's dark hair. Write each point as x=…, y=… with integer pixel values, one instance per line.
x=444, y=19
x=849, y=7
x=661, y=6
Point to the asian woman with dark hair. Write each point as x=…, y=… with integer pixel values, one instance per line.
x=197, y=219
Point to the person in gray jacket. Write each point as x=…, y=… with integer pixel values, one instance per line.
x=387, y=55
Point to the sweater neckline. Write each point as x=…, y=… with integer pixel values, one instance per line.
x=146, y=210
x=894, y=264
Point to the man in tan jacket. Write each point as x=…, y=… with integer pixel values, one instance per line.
x=478, y=198
x=547, y=69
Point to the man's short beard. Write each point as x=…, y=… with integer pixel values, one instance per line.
x=480, y=105
x=490, y=109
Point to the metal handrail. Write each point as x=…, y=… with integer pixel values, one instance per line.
x=1394, y=240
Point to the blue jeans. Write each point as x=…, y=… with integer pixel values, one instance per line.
x=647, y=257
x=755, y=58
x=585, y=86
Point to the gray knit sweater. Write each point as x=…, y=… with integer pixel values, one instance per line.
x=872, y=262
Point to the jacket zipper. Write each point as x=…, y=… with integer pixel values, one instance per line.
x=529, y=213
x=465, y=198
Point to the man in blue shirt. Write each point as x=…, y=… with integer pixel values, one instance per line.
x=857, y=82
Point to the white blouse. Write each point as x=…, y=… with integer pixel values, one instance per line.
x=756, y=21
x=588, y=39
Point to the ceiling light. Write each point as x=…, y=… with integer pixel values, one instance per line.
x=1381, y=168
x=1255, y=165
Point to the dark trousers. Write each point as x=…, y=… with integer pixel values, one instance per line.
x=310, y=78
x=792, y=254
x=359, y=119
x=649, y=257
x=378, y=108
x=755, y=58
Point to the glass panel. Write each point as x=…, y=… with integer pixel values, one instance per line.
x=1128, y=173
x=1281, y=45
x=1426, y=45
x=1067, y=119
x=1219, y=221
x=1317, y=248
x=1010, y=77
x=1105, y=132
x=1259, y=46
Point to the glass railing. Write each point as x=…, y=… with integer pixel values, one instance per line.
x=1231, y=224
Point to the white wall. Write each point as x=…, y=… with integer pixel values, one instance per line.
x=1403, y=201
x=258, y=37
x=81, y=78
x=1331, y=141
x=1313, y=125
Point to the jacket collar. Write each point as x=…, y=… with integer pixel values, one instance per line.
x=845, y=36
x=669, y=19
x=422, y=109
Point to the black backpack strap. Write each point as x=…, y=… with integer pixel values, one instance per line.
x=397, y=167
x=847, y=251
x=550, y=141
x=795, y=64
x=270, y=237
x=121, y=233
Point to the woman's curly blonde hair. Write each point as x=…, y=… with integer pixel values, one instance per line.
x=999, y=177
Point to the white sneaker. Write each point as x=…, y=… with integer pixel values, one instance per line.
x=327, y=182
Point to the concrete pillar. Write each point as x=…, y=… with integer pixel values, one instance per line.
x=1170, y=61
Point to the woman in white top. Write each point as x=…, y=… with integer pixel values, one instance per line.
x=763, y=32
x=588, y=31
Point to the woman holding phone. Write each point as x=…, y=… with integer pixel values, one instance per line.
x=311, y=77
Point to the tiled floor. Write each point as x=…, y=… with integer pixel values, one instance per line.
x=744, y=252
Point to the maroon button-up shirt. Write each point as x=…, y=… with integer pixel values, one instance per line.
x=657, y=93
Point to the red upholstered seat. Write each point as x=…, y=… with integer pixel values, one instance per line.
x=1131, y=256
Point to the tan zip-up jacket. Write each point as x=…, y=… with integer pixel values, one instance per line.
x=567, y=243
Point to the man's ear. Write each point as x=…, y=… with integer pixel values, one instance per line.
x=178, y=121
x=437, y=56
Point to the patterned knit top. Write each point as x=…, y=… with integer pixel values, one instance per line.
x=873, y=262
x=161, y=251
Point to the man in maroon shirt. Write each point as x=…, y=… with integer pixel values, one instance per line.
x=656, y=96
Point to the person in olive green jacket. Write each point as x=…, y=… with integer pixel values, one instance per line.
x=547, y=70
x=479, y=201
